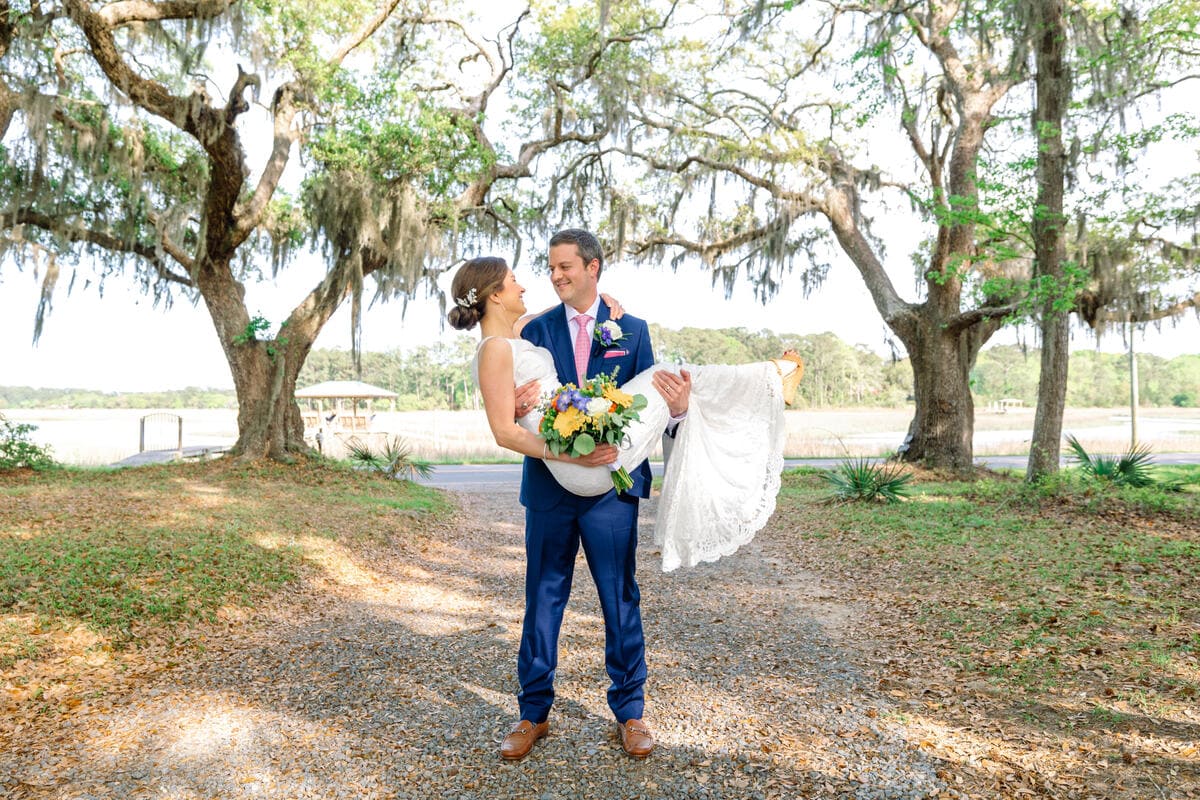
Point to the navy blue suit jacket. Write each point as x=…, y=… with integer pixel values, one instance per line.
x=539, y=490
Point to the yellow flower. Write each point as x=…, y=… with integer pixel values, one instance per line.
x=622, y=399
x=569, y=421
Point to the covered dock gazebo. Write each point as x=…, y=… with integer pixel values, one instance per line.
x=341, y=394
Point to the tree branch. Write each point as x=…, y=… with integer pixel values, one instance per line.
x=81, y=234
x=125, y=12
x=973, y=317
x=365, y=32
x=248, y=215
x=711, y=251
x=169, y=247
x=771, y=187
x=1104, y=315
x=150, y=95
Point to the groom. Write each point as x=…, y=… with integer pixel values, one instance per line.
x=557, y=522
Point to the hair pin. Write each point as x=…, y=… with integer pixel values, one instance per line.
x=468, y=301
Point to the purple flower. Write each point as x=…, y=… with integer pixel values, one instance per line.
x=579, y=401
x=563, y=401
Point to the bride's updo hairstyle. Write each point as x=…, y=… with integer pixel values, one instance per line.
x=475, y=282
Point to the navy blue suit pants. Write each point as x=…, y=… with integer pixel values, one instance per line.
x=607, y=527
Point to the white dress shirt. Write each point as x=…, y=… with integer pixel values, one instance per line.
x=573, y=319
x=592, y=310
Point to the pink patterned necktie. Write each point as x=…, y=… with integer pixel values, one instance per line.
x=583, y=347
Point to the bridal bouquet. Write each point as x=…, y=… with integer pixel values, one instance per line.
x=576, y=419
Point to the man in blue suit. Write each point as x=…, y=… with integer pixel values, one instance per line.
x=557, y=522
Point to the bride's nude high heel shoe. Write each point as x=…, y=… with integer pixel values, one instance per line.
x=791, y=369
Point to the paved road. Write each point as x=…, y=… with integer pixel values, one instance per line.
x=487, y=477
x=164, y=456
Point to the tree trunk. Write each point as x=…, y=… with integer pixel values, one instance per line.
x=269, y=421
x=270, y=424
x=942, y=430
x=1049, y=248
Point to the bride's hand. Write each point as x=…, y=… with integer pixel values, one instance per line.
x=525, y=398
x=603, y=454
x=615, y=309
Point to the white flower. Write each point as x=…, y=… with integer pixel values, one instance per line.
x=597, y=406
x=613, y=329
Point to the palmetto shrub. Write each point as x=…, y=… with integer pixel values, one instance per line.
x=395, y=459
x=1132, y=468
x=860, y=479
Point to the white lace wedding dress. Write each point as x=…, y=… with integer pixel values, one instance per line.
x=723, y=472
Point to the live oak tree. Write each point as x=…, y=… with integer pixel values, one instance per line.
x=1049, y=35
x=768, y=130
x=197, y=144
x=1130, y=260
x=761, y=132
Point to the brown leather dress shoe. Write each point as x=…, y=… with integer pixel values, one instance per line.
x=520, y=739
x=636, y=739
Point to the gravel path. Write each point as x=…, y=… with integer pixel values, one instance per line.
x=397, y=679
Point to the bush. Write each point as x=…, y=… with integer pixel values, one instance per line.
x=1131, y=469
x=862, y=480
x=395, y=461
x=1184, y=400
x=16, y=449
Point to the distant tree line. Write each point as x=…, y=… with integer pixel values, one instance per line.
x=1095, y=380
x=431, y=377
x=28, y=397
x=836, y=374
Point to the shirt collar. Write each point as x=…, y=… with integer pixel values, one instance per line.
x=591, y=311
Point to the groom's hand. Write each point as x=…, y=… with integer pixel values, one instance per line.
x=603, y=454
x=526, y=397
x=675, y=389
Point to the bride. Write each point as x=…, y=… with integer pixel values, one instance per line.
x=723, y=472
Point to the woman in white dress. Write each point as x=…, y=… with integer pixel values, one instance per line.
x=723, y=474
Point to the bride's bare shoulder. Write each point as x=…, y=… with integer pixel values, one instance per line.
x=495, y=350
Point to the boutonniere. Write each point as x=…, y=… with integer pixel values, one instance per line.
x=609, y=333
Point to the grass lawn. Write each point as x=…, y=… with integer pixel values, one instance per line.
x=103, y=572
x=1068, y=616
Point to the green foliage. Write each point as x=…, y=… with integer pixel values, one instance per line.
x=863, y=480
x=395, y=460
x=1134, y=468
x=254, y=327
x=259, y=324
x=27, y=397
x=1095, y=380
x=417, y=141
x=437, y=376
x=18, y=451
x=836, y=374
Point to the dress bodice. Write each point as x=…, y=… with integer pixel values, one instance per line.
x=530, y=362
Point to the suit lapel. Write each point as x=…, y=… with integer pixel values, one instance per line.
x=562, y=346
